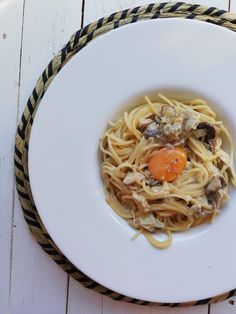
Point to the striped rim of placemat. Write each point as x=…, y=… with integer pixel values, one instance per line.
x=77, y=42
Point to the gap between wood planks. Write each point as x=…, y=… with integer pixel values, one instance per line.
x=67, y=293
x=82, y=13
x=17, y=117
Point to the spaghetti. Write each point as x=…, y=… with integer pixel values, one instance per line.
x=164, y=168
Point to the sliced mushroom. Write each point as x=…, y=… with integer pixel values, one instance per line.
x=143, y=123
x=213, y=186
x=199, y=133
x=151, y=130
x=215, y=191
x=223, y=182
x=211, y=131
x=190, y=121
x=172, y=139
x=167, y=113
x=210, y=137
x=175, y=129
x=140, y=200
x=215, y=199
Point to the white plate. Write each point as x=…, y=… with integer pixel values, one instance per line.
x=170, y=54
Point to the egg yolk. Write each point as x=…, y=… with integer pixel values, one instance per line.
x=167, y=163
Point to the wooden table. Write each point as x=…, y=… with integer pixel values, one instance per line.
x=31, y=33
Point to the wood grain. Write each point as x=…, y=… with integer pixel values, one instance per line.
x=39, y=286
x=82, y=300
x=10, y=44
x=233, y=6
x=224, y=307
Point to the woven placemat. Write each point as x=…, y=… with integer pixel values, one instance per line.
x=77, y=42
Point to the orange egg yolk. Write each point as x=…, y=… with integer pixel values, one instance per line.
x=167, y=163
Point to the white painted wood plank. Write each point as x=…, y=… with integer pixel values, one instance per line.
x=233, y=6
x=82, y=300
x=220, y=4
x=47, y=28
x=10, y=38
x=224, y=307
x=114, y=307
x=39, y=286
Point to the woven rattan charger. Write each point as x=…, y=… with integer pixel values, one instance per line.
x=77, y=42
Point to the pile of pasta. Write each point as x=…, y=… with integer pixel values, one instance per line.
x=163, y=166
